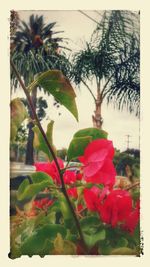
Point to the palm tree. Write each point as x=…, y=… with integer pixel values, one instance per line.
x=35, y=48
x=112, y=59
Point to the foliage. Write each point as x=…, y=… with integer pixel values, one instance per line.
x=56, y=84
x=127, y=158
x=39, y=142
x=112, y=59
x=105, y=213
x=14, y=21
x=18, y=115
x=77, y=210
x=36, y=49
x=41, y=105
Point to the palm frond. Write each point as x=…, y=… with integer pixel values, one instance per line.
x=114, y=51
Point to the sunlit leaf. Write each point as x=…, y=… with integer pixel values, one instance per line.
x=18, y=115
x=39, y=142
x=123, y=251
x=59, y=243
x=95, y=133
x=64, y=247
x=55, y=83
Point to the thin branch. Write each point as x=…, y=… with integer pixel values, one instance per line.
x=98, y=13
x=132, y=186
x=103, y=95
x=51, y=151
x=70, y=167
x=88, y=16
x=88, y=89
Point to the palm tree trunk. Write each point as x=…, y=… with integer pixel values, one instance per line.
x=30, y=150
x=97, y=118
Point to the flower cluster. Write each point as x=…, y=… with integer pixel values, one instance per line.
x=114, y=206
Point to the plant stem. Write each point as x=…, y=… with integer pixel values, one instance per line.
x=51, y=151
x=71, y=167
x=132, y=186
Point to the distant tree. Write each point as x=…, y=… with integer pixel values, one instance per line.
x=112, y=60
x=127, y=165
x=133, y=152
x=35, y=48
x=14, y=22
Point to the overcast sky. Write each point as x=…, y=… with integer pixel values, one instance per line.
x=118, y=124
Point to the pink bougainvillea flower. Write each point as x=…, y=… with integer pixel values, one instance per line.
x=69, y=177
x=43, y=166
x=42, y=203
x=106, y=175
x=116, y=207
x=132, y=220
x=91, y=197
x=50, y=168
x=79, y=176
x=72, y=192
x=94, y=196
x=97, y=162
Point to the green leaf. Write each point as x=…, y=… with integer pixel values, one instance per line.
x=64, y=247
x=25, y=183
x=135, y=193
x=88, y=222
x=55, y=83
x=66, y=212
x=31, y=190
x=92, y=230
x=81, y=139
x=59, y=243
x=104, y=248
x=39, y=142
x=38, y=177
x=41, y=219
x=123, y=251
x=77, y=147
x=136, y=235
x=64, y=207
x=18, y=115
x=35, y=244
x=93, y=132
x=91, y=240
x=122, y=242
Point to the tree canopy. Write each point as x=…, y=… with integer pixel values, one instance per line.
x=112, y=58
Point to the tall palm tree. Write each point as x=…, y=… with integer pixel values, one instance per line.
x=112, y=59
x=35, y=48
